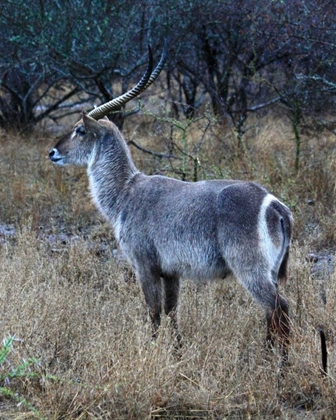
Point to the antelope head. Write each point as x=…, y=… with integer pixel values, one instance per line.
x=78, y=146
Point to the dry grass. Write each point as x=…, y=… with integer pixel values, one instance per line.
x=82, y=344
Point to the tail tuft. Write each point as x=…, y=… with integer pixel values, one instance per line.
x=282, y=275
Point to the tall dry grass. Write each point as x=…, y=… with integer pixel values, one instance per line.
x=81, y=340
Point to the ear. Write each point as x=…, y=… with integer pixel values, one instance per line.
x=91, y=125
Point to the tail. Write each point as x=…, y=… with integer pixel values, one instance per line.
x=287, y=227
x=282, y=274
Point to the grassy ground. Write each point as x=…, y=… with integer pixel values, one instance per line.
x=76, y=336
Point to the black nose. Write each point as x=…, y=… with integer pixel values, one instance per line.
x=54, y=155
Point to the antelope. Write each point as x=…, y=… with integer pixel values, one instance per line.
x=170, y=230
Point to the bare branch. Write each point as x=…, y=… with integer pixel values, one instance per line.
x=151, y=152
x=263, y=105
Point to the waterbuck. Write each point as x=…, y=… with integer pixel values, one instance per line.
x=170, y=229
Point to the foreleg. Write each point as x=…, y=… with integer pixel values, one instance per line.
x=152, y=288
x=172, y=289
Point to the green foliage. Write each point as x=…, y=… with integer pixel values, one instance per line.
x=64, y=45
x=183, y=149
x=22, y=371
x=242, y=57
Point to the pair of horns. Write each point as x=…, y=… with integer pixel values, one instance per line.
x=147, y=79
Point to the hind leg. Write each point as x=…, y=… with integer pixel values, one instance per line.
x=151, y=284
x=265, y=292
x=172, y=288
x=278, y=324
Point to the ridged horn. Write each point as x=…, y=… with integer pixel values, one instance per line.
x=147, y=79
x=159, y=66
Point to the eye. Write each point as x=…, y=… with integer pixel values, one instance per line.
x=80, y=130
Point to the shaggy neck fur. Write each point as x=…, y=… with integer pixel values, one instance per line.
x=110, y=173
